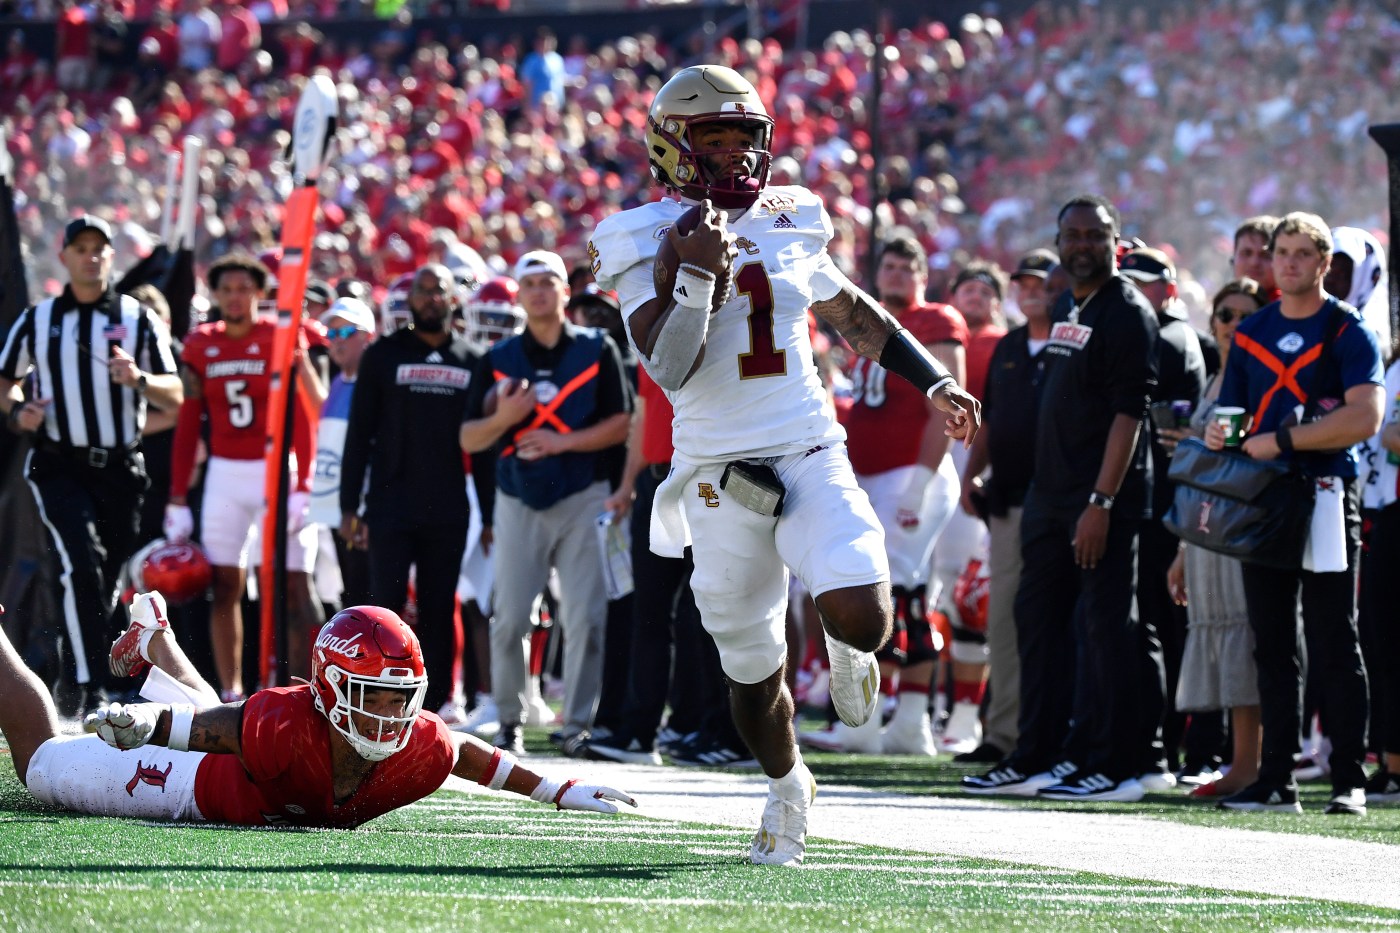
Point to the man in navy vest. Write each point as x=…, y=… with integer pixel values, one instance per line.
x=568, y=399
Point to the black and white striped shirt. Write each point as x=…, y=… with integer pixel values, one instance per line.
x=67, y=346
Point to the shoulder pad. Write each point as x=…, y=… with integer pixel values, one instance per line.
x=622, y=240
x=799, y=206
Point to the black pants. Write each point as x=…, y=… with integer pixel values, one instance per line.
x=1083, y=652
x=437, y=552
x=354, y=572
x=1282, y=604
x=1380, y=588
x=664, y=618
x=92, y=515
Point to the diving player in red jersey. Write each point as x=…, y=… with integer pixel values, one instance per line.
x=227, y=373
x=351, y=745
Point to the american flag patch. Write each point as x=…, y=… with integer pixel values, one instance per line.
x=114, y=332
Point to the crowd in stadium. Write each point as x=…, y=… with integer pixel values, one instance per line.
x=463, y=199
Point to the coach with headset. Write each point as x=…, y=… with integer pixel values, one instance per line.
x=96, y=358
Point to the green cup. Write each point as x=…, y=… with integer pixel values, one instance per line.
x=1232, y=420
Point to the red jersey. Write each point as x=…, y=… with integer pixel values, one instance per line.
x=980, y=345
x=885, y=425
x=283, y=774
x=236, y=379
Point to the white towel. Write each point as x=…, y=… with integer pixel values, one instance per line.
x=670, y=532
x=1326, y=550
x=160, y=687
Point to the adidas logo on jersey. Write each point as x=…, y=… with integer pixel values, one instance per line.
x=783, y=223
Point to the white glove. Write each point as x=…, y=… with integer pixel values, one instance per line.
x=179, y=523
x=298, y=508
x=571, y=795
x=124, y=727
x=909, y=509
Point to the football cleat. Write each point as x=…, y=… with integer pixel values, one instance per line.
x=1350, y=802
x=910, y=732
x=484, y=719
x=1080, y=786
x=782, y=834
x=855, y=682
x=128, y=657
x=619, y=748
x=1266, y=798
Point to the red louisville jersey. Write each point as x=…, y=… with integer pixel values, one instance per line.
x=236, y=375
x=283, y=775
x=886, y=421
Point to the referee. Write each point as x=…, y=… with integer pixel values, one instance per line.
x=96, y=357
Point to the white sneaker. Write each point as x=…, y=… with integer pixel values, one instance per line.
x=782, y=835
x=864, y=738
x=855, y=682
x=485, y=719
x=910, y=732
x=1157, y=782
x=454, y=713
x=539, y=713
x=963, y=732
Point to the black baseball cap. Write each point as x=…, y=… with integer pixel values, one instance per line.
x=1037, y=264
x=86, y=222
x=1148, y=265
x=319, y=291
x=591, y=292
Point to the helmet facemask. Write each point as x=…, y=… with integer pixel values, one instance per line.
x=694, y=178
x=387, y=734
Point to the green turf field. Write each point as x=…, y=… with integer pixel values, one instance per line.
x=457, y=861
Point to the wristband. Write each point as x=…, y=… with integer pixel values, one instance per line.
x=181, y=721
x=1101, y=500
x=1284, y=438
x=497, y=770
x=546, y=790
x=695, y=287
x=907, y=358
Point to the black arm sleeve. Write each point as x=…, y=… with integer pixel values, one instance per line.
x=908, y=358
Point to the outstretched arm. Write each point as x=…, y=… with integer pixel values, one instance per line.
x=499, y=770
x=179, y=727
x=875, y=334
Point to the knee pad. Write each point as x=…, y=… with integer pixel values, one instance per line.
x=925, y=637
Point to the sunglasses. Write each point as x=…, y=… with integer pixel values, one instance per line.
x=1230, y=315
x=343, y=333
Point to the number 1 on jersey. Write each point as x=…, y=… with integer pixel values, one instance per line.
x=763, y=358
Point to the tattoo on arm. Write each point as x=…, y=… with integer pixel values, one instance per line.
x=218, y=729
x=857, y=317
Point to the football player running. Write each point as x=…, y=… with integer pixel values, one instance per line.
x=349, y=746
x=760, y=481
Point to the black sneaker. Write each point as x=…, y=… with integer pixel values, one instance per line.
x=1009, y=778
x=1086, y=787
x=984, y=754
x=509, y=740
x=1261, y=797
x=712, y=754
x=1383, y=787
x=620, y=748
x=1349, y=802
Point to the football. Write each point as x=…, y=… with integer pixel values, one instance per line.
x=667, y=261
x=508, y=384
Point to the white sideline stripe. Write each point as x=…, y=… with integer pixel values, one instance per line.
x=1167, y=899
x=1238, y=858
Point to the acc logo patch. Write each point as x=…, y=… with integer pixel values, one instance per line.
x=545, y=392
x=1290, y=343
x=661, y=231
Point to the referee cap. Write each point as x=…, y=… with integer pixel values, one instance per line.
x=83, y=223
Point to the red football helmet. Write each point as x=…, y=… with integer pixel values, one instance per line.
x=360, y=650
x=970, y=595
x=179, y=572
x=494, y=312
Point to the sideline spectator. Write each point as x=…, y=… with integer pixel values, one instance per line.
x=1348, y=388
x=97, y=359
x=570, y=400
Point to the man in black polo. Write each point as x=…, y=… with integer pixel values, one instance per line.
x=1181, y=378
x=410, y=394
x=1080, y=643
x=1010, y=408
x=96, y=358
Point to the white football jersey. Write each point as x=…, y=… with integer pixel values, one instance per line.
x=757, y=392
